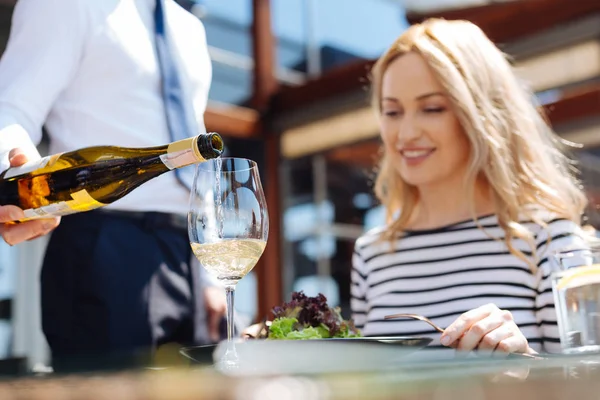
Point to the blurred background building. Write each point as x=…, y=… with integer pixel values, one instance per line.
x=290, y=90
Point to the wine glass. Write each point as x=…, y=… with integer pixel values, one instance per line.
x=228, y=226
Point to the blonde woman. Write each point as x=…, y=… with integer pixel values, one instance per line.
x=477, y=195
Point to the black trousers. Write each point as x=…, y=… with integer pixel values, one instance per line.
x=117, y=285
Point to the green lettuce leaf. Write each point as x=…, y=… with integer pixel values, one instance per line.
x=306, y=333
x=281, y=327
x=347, y=331
x=305, y=317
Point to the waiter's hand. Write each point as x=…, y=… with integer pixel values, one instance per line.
x=216, y=306
x=17, y=233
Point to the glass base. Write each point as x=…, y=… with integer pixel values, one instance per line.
x=227, y=366
x=583, y=349
x=229, y=362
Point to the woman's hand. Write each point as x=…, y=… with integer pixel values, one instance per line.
x=257, y=331
x=253, y=331
x=486, y=329
x=17, y=233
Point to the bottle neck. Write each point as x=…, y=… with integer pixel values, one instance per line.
x=210, y=145
x=182, y=153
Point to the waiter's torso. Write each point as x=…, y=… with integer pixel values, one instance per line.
x=114, y=97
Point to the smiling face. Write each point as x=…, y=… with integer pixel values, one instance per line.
x=421, y=133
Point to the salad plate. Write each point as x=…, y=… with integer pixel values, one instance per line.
x=314, y=356
x=317, y=356
x=204, y=354
x=307, y=336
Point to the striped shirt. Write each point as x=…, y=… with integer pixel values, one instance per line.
x=442, y=273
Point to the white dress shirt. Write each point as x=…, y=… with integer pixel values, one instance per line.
x=87, y=70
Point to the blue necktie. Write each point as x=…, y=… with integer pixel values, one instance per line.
x=179, y=121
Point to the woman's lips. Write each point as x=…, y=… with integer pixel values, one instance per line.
x=415, y=156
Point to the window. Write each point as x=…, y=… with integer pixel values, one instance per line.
x=314, y=36
x=228, y=33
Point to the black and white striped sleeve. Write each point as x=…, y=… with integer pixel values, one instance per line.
x=358, y=290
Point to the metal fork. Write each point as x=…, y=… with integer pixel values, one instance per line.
x=416, y=316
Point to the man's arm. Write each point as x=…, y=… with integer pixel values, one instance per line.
x=44, y=49
x=42, y=55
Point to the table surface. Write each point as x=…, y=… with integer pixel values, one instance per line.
x=426, y=377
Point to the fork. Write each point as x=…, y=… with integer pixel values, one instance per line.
x=441, y=330
x=416, y=316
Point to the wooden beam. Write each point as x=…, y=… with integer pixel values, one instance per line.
x=340, y=129
x=263, y=46
x=510, y=20
x=334, y=82
x=574, y=105
x=269, y=270
x=233, y=121
x=364, y=154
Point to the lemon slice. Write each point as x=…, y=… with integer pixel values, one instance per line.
x=579, y=276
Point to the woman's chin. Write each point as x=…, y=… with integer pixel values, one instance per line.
x=419, y=180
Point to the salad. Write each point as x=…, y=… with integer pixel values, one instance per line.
x=307, y=317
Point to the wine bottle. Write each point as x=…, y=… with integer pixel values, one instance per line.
x=93, y=177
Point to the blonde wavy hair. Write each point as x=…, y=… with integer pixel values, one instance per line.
x=512, y=144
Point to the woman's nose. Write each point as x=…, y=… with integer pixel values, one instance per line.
x=408, y=130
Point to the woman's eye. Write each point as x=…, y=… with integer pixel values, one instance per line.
x=391, y=113
x=434, y=109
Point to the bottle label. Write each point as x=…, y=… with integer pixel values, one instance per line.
x=82, y=201
x=31, y=166
x=181, y=153
x=27, y=167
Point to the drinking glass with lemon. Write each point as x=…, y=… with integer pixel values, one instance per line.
x=576, y=288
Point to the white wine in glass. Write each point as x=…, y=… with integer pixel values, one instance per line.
x=228, y=226
x=230, y=259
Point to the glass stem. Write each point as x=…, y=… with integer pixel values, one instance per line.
x=229, y=291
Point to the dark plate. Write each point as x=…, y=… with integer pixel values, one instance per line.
x=199, y=354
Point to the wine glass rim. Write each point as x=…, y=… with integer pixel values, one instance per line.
x=571, y=251
x=251, y=164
